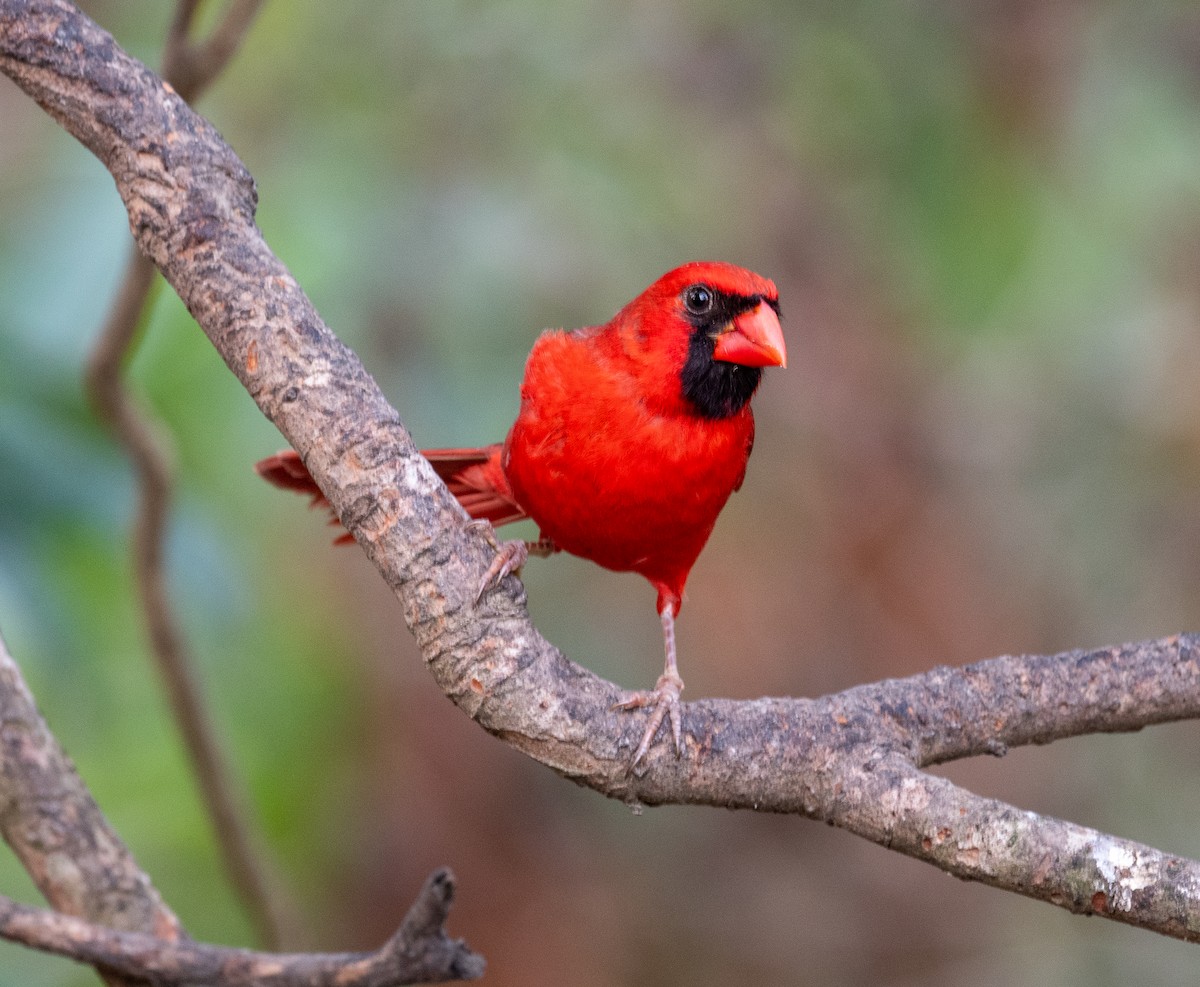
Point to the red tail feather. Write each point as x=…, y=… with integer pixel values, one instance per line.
x=287, y=470
x=474, y=476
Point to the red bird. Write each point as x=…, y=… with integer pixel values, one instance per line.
x=630, y=438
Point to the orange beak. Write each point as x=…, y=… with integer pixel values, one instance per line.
x=753, y=339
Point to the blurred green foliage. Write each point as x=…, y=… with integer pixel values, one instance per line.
x=984, y=219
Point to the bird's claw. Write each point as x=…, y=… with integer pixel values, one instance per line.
x=510, y=555
x=664, y=700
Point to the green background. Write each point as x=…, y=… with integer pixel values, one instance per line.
x=984, y=220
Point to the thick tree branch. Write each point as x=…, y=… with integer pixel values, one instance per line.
x=852, y=759
x=420, y=952
x=111, y=917
x=57, y=831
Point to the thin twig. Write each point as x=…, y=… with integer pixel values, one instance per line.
x=419, y=952
x=190, y=67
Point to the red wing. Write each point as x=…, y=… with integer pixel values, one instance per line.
x=477, y=480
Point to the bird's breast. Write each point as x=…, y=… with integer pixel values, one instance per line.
x=628, y=489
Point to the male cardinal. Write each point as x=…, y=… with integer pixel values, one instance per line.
x=630, y=438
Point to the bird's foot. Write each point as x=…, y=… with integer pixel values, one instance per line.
x=663, y=699
x=510, y=555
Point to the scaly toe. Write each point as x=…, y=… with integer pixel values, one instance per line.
x=510, y=556
x=664, y=701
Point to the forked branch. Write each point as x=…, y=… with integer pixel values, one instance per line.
x=110, y=916
x=419, y=952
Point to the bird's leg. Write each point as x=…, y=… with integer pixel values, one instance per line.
x=664, y=697
x=543, y=548
x=510, y=555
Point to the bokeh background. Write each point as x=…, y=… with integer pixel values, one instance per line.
x=984, y=220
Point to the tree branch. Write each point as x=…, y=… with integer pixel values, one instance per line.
x=190, y=67
x=57, y=831
x=419, y=952
x=110, y=916
x=852, y=759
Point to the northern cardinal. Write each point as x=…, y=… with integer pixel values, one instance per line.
x=630, y=438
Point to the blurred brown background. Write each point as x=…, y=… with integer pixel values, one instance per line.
x=984, y=220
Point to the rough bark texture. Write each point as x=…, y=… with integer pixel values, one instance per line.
x=851, y=759
x=109, y=915
x=53, y=825
x=420, y=952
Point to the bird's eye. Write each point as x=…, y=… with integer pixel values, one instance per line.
x=698, y=299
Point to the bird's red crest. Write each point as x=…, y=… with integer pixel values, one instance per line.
x=727, y=278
